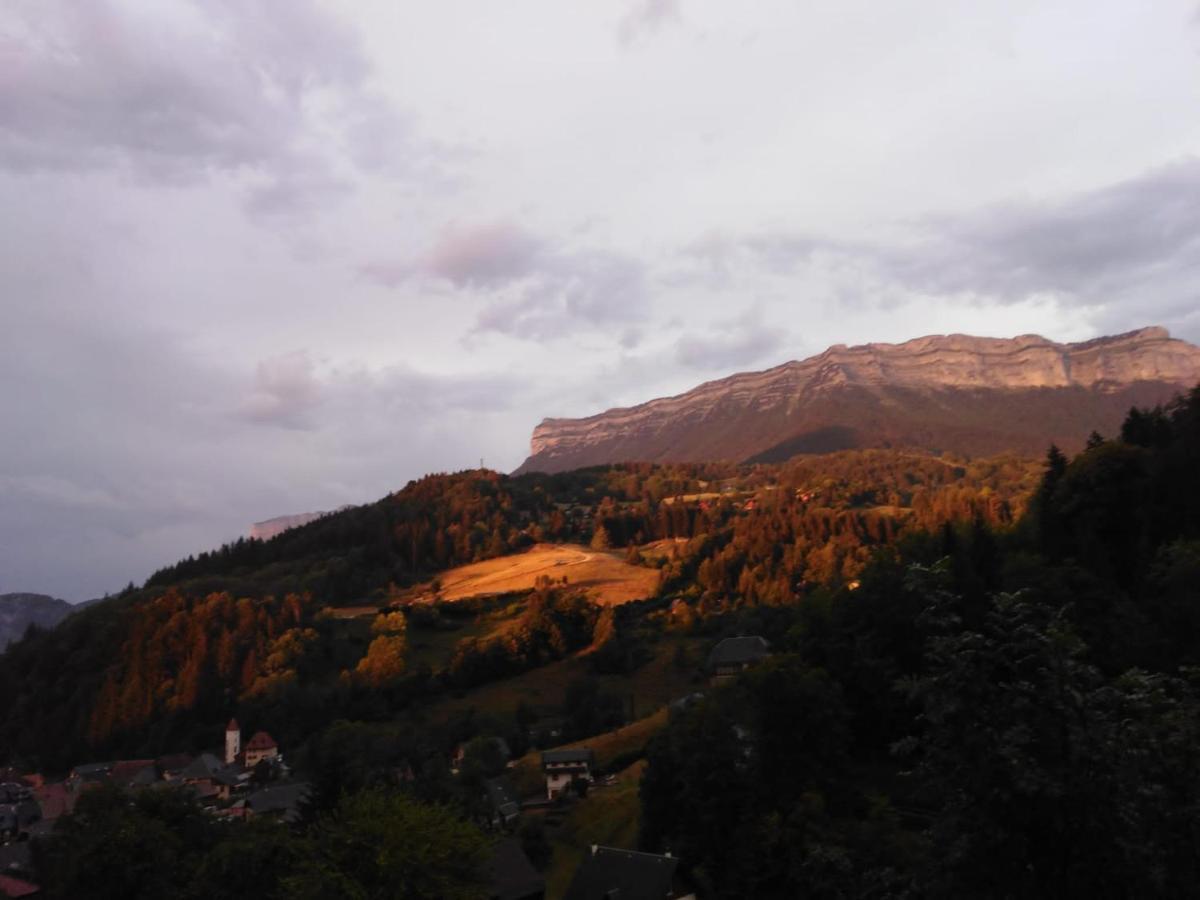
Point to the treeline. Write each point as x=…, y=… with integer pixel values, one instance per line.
x=990, y=712
x=161, y=843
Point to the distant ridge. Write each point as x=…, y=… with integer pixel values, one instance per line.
x=972, y=395
x=19, y=611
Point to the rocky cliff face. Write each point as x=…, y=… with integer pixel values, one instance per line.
x=19, y=611
x=944, y=392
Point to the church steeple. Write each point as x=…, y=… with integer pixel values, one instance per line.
x=233, y=742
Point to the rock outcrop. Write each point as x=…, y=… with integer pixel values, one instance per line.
x=958, y=393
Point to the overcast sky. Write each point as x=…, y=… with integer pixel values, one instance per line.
x=269, y=257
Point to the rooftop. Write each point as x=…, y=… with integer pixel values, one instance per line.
x=628, y=874
x=577, y=755
x=739, y=651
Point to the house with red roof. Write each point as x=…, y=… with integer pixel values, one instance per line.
x=261, y=746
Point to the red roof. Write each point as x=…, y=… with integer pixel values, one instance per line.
x=15, y=887
x=261, y=741
x=232, y=726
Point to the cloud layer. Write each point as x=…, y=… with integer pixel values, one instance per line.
x=267, y=257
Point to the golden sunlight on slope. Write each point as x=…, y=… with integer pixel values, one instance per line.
x=610, y=579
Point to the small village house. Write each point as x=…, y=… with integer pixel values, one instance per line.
x=608, y=872
x=561, y=767
x=735, y=655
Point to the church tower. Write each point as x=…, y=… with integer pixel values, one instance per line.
x=233, y=742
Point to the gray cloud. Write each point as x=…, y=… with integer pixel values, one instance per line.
x=646, y=17
x=486, y=255
x=286, y=392
x=1136, y=239
x=482, y=256
x=181, y=91
x=533, y=289
x=570, y=291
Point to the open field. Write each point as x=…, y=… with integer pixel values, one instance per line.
x=608, y=816
x=610, y=579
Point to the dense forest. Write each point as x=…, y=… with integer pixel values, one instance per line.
x=991, y=713
x=983, y=680
x=247, y=629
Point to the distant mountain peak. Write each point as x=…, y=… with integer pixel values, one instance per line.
x=939, y=391
x=20, y=610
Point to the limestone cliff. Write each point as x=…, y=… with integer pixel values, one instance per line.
x=944, y=392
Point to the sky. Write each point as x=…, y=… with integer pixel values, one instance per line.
x=261, y=257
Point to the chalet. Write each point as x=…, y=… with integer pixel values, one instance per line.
x=261, y=746
x=607, y=872
x=561, y=767
x=503, y=801
x=735, y=655
x=511, y=876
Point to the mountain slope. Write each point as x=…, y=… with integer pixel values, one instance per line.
x=19, y=611
x=943, y=392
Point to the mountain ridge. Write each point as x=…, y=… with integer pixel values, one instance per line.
x=888, y=394
x=20, y=610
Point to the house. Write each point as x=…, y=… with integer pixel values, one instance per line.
x=15, y=818
x=503, y=801
x=261, y=746
x=172, y=765
x=607, y=872
x=735, y=655
x=511, y=876
x=281, y=801
x=131, y=774
x=201, y=776
x=56, y=800
x=561, y=767
x=88, y=775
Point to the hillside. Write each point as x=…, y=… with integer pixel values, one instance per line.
x=19, y=611
x=969, y=395
x=243, y=628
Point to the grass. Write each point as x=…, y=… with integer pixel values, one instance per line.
x=607, y=816
x=608, y=747
x=604, y=574
x=649, y=687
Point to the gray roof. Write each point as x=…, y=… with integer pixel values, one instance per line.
x=580, y=755
x=736, y=651
x=511, y=874
x=627, y=874
x=93, y=771
x=206, y=765
x=503, y=797
x=279, y=798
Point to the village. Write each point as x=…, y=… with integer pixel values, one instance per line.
x=248, y=779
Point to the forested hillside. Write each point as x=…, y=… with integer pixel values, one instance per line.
x=248, y=627
x=989, y=713
x=981, y=682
